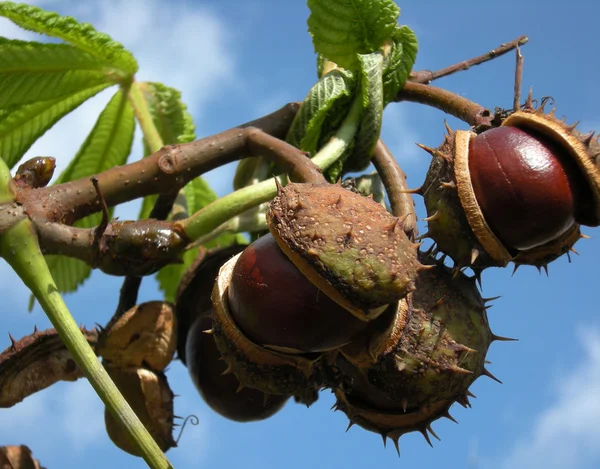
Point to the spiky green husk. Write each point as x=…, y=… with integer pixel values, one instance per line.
x=443, y=344
x=348, y=245
x=392, y=425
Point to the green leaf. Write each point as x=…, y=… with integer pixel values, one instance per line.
x=21, y=126
x=107, y=145
x=81, y=35
x=172, y=120
x=335, y=88
x=32, y=71
x=169, y=113
x=399, y=63
x=198, y=195
x=371, y=89
x=341, y=29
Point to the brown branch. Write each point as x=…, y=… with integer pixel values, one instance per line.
x=170, y=167
x=128, y=294
x=394, y=181
x=427, y=76
x=35, y=362
x=518, y=80
x=451, y=103
x=141, y=248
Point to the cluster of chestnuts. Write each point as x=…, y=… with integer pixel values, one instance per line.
x=337, y=296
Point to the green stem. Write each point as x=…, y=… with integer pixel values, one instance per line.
x=231, y=205
x=144, y=118
x=19, y=246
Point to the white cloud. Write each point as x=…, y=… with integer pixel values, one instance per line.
x=566, y=434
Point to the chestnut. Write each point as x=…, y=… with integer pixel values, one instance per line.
x=275, y=305
x=525, y=185
x=221, y=390
x=513, y=193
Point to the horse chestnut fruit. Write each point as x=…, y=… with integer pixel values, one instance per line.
x=522, y=188
x=275, y=305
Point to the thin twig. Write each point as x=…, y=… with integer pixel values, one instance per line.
x=518, y=80
x=427, y=76
x=101, y=228
x=394, y=181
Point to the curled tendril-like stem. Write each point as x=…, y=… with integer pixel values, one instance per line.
x=190, y=418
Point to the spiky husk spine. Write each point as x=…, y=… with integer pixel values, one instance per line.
x=270, y=371
x=347, y=245
x=392, y=425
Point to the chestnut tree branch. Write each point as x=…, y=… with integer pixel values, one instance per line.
x=394, y=181
x=427, y=76
x=169, y=168
x=447, y=101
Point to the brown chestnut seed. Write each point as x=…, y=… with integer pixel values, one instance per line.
x=277, y=307
x=271, y=371
x=195, y=288
x=347, y=245
x=584, y=150
x=220, y=391
x=524, y=184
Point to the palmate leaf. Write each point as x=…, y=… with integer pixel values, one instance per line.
x=198, y=195
x=21, y=126
x=107, y=145
x=81, y=35
x=341, y=29
x=32, y=71
x=172, y=120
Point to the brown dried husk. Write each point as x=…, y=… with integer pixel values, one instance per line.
x=145, y=335
x=347, y=245
x=36, y=362
x=151, y=398
x=270, y=371
x=17, y=457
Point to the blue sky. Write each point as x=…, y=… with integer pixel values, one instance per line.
x=235, y=61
